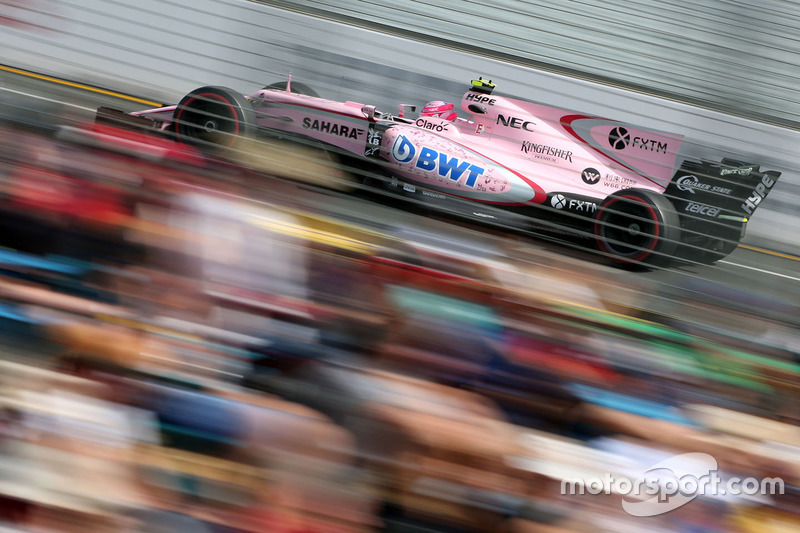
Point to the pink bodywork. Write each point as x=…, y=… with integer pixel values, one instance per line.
x=513, y=152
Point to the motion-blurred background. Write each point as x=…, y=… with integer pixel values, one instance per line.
x=190, y=346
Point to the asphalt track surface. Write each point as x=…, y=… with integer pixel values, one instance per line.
x=768, y=274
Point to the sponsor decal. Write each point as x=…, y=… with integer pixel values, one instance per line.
x=702, y=209
x=558, y=201
x=541, y=151
x=480, y=128
x=436, y=195
x=516, y=123
x=480, y=98
x=620, y=138
x=429, y=125
x=613, y=181
x=483, y=215
x=687, y=183
x=740, y=171
x=581, y=206
x=373, y=146
x=690, y=183
x=430, y=160
x=590, y=176
x=332, y=128
x=758, y=194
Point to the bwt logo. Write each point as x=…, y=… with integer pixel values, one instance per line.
x=620, y=138
x=430, y=160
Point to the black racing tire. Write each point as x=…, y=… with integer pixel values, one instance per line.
x=214, y=116
x=637, y=227
x=297, y=88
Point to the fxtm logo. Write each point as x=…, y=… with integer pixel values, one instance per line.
x=559, y=201
x=758, y=195
x=516, y=122
x=620, y=138
x=430, y=160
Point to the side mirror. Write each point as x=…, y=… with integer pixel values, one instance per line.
x=369, y=111
x=402, y=108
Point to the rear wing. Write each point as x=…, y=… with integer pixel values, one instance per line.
x=727, y=189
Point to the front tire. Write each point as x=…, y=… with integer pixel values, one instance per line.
x=637, y=227
x=214, y=116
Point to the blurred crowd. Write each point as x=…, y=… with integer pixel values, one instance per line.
x=183, y=352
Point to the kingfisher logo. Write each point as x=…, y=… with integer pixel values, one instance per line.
x=620, y=138
x=435, y=162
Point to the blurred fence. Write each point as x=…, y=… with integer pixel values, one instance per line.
x=736, y=57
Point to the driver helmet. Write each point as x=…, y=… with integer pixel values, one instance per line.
x=440, y=109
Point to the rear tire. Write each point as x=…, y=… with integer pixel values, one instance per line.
x=637, y=227
x=214, y=116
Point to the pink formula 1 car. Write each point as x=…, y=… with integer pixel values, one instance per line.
x=622, y=183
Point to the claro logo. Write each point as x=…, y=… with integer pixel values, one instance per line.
x=620, y=138
x=759, y=193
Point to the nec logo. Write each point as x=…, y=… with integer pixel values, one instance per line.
x=517, y=123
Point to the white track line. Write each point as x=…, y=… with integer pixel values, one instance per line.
x=761, y=270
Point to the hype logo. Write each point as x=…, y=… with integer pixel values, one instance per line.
x=435, y=162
